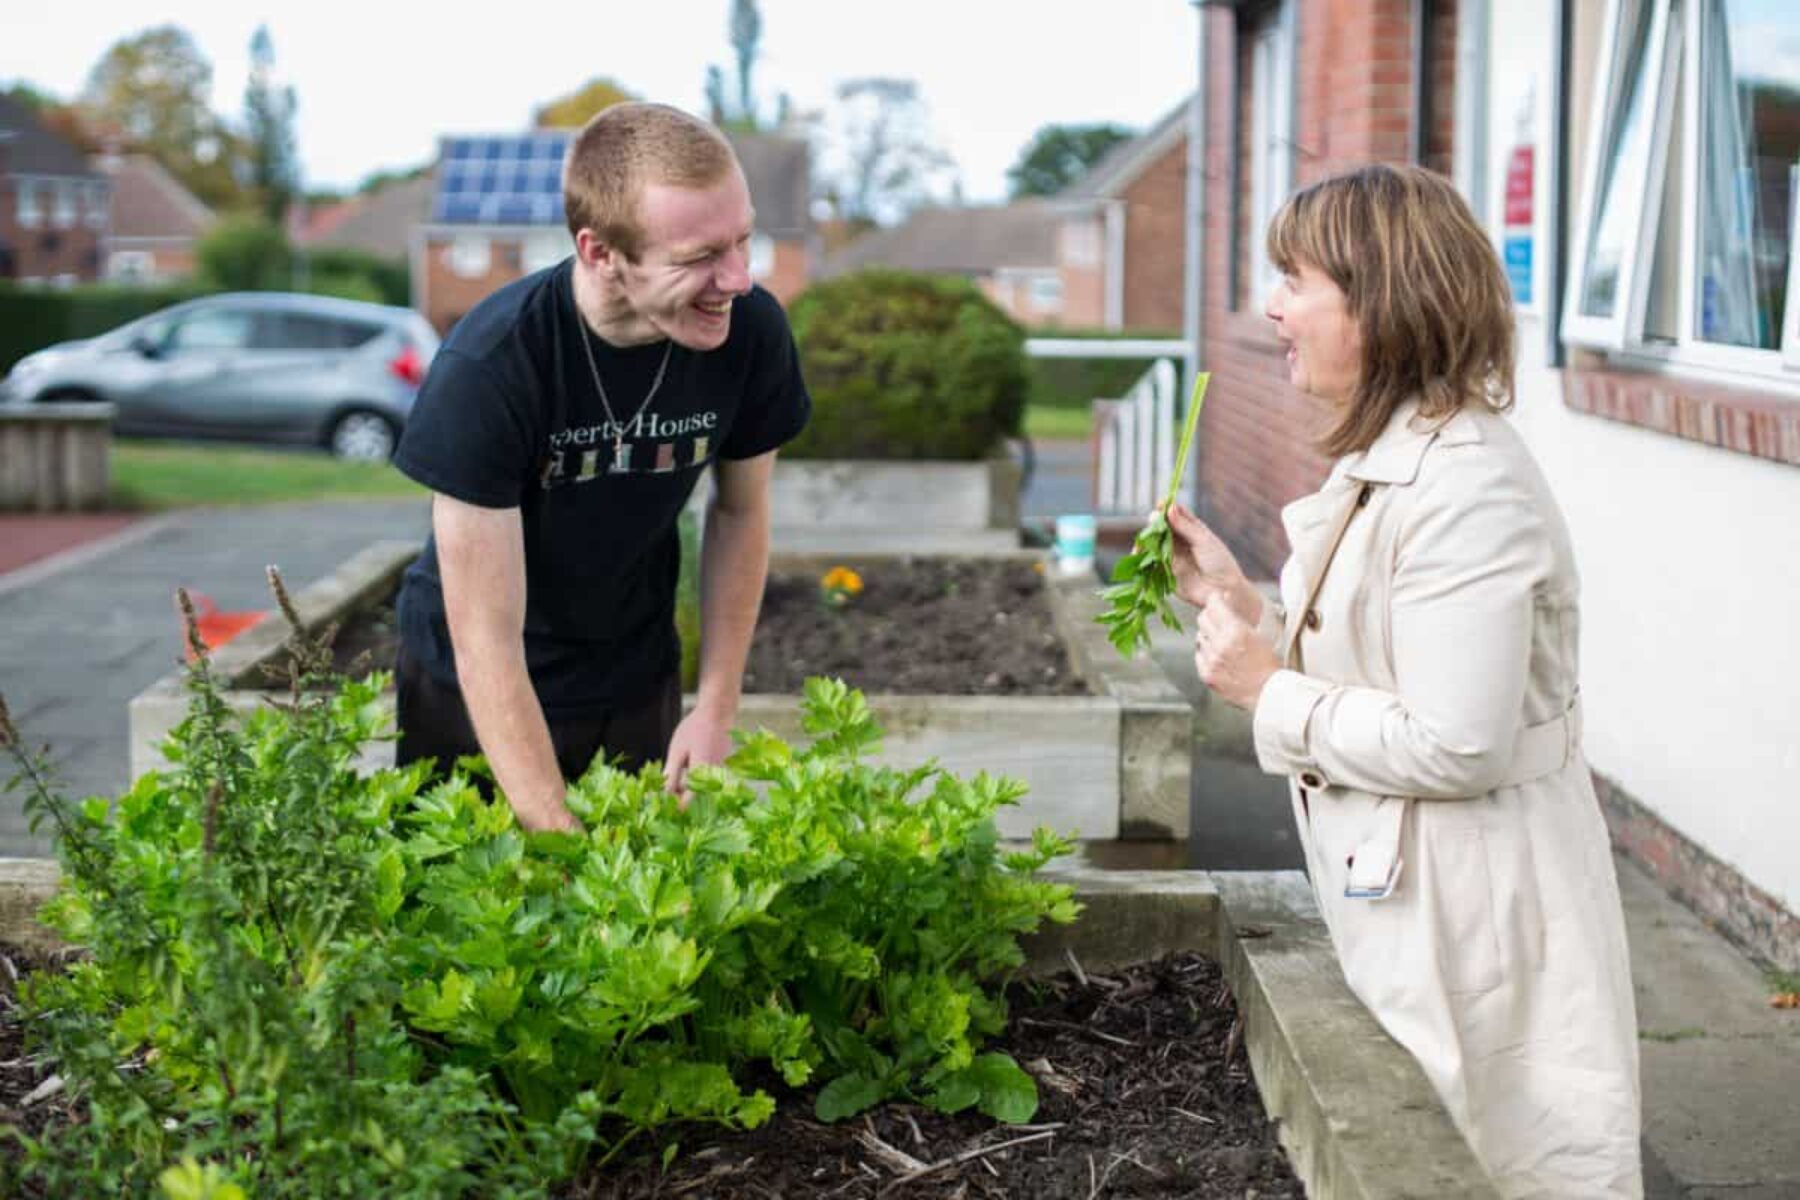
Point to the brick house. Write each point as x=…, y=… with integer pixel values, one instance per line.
x=54, y=208
x=1008, y=251
x=497, y=214
x=1633, y=163
x=1119, y=248
x=156, y=221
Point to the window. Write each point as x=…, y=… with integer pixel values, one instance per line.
x=306, y=331
x=470, y=257
x=1046, y=292
x=97, y=206
x=65, y=204
x=1271, y=138
x=1684, y=246
x=29, y=215
x=213, y=329
x=546, y=248
x=131, y=266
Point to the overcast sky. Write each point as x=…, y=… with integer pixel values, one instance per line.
x=378, y=82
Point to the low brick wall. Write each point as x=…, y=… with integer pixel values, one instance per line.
x=1720, y=894
x=55, y=457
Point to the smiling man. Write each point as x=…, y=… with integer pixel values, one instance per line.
x=562, y=428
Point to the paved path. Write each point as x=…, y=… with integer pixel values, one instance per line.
x=84, y=631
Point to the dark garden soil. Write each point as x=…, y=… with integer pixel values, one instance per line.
x=920, y=626
x=1144, y=1091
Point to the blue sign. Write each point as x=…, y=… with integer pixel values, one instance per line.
x=1518, y=267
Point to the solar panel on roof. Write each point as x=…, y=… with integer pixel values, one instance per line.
x=515, y=180
x=515, y=210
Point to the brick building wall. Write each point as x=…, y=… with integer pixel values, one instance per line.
x=1353, y=103
x=1155, y=213
x=48, y=250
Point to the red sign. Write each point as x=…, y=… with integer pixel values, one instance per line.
x=1519, y=186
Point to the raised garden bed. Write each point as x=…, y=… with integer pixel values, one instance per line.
x=1109, y=764
x=1352, y=1110
x=914, y=627
x=1143, y=1076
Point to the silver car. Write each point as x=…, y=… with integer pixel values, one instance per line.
x=250, y=366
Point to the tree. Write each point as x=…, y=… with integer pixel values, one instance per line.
x=579, y=106
x=746, y=32
x=1058, y=155
x=883, y=160
x=715, y=96
x=269, y=131
x=151, y=88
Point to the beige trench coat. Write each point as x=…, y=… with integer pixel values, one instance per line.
x=1451, y=831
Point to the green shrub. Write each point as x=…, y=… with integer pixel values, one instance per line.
x=381, y=280
x=32, y=318
x=244, y=254
x=907, y=366
x=345, y=286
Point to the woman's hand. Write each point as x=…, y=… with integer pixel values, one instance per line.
x=1205, y=570
x=1231, y=659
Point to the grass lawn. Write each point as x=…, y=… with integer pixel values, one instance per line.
x=1042, y=422
x=157, y=475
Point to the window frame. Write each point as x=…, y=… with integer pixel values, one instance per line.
x=1625, y=340
x=1615, y=332
x=26, y=210
x=1272, y=88
x=1790, y=332
x=64, y=204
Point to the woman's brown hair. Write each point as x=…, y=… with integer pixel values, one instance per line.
x=627, y=146
x=1423, y=285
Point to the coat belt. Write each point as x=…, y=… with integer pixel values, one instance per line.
x=1545, y=748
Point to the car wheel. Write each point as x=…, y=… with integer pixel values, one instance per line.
x=363, y=437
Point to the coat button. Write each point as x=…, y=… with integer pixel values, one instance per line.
x=1313, y=620
x=1311, y=779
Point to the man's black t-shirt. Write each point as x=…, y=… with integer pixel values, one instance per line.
x=509, y=417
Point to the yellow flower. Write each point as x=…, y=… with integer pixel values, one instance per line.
x=840, y=585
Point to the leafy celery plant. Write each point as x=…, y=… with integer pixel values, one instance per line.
x=303, y=979
x=1144, y=579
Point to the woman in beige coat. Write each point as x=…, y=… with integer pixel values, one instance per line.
x=1419, y=690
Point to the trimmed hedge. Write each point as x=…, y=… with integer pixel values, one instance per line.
x=908, y=366
x=34, y=317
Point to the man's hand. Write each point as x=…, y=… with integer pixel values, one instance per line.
x=552, y=815
x=703, y=738
x=1206, y=571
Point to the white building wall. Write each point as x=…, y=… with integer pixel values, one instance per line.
x=1689, y=556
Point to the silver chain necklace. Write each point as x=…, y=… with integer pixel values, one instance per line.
x=594, y=368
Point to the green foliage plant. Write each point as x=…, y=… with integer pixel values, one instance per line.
x=302, y=978
x=1144, y=579
x=245, y=254
x=904, y=365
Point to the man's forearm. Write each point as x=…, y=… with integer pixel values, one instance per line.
x=509, y=724
x=734, y=563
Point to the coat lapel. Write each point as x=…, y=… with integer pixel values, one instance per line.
x=1394, y=458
